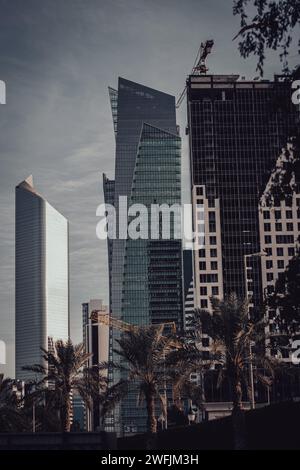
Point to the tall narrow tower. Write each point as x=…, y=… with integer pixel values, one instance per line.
x=41, y=278
x=145, y=274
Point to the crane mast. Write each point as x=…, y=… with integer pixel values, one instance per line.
x=199, y=67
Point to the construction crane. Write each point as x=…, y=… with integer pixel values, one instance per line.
x=108, y=320
x=199, y=67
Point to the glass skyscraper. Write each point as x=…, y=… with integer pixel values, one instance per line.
x=41, y=277
x=145, y=274
x=236, y=131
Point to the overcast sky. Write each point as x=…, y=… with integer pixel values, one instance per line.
x=57, y=58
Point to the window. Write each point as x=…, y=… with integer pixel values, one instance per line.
x=279, y=251
x=282, y=239
x=200, y=215
x=213, y=265
x=267, y=227
x=289, y=214
x=203, y=290
x=280, y=264
x=269, y=264
x=266, y=215
x=214, y=290
x=211, y=216
x=250, y=286
x=289, y=226
x=277, y=215
x=212, y=227
x=206, y=278
x=203, y=303
x=291, y=251
x=278, y=227
x=268, y=251
x=213, y=240
x=202, y=265
x=211, y=203
x=199, y=191
x=201, y=253
x=213, y=253
x=270, y=277
x=268, y=239
x=205, y=342
x=249, y=274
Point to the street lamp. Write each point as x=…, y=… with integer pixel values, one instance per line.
x=251, y=255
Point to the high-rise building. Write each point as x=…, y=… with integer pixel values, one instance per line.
x=96, y=342
x=188, y=288
x=236, y=131
x=78, y=413
x=279, y=224
x=41, y=277
x=145, y=274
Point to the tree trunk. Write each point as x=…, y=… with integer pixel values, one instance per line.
x=238, y=418
x=66, y=413
x=151, y=419
x=237, y=395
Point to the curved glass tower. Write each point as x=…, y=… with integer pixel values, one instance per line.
x=42, y=277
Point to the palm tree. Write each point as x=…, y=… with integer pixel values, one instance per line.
x=65, y=371
x=110, y=397
x=232, y=333
x=181, y=363
x=143, y=353
x=11, y=417
x=45, y=404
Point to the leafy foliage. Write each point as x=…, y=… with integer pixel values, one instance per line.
x=285, y=300
x=269, y=27
x=11, y=416
x=285, y=177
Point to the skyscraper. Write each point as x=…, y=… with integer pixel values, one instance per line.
x=41, y=278
x=236, y=131
x=145, y=274
x=96, y=342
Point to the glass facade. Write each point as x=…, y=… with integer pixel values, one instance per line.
x=145, y=275
x=42, y=277
x=57, y=275
x=236, y=130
